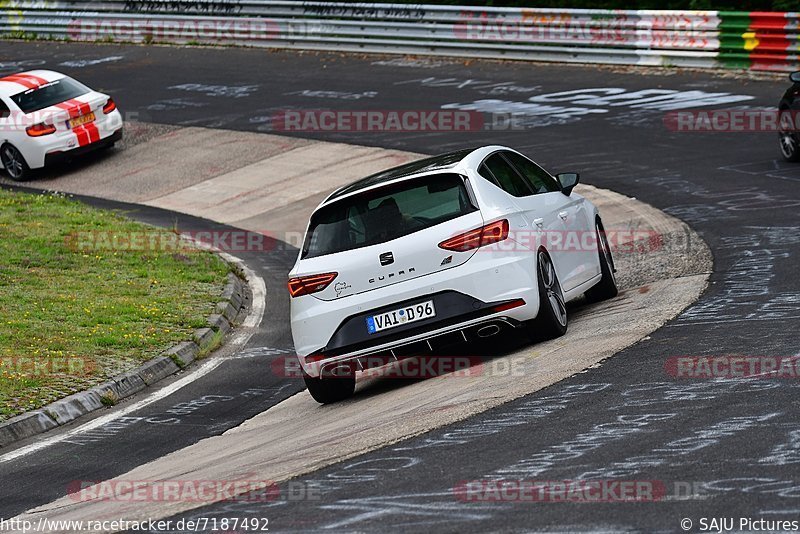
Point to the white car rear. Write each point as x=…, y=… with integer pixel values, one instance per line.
x=438, y=251
x=46, y=117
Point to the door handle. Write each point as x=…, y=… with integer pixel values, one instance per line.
x=563, y=215
x=538, y=222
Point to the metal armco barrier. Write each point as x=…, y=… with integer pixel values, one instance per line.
x=758, y=41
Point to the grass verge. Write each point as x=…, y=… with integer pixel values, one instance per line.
x=86, y=294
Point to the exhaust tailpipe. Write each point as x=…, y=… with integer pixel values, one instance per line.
x=488, y=330
x=339, y=370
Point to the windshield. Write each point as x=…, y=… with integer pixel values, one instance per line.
x=49, y=94
x=386, y=213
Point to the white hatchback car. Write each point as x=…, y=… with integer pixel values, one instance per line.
x=455, y=247
x=46, y=116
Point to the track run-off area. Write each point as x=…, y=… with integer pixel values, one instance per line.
x=202, y=152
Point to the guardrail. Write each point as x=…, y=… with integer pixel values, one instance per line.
x=759, y=41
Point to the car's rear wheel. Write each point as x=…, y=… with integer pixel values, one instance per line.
x=552, y=320
x=606, y=288
x=14, y=162
x=789, y=143
x=332, y=385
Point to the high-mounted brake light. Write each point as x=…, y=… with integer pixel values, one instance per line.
x=306, y=285
x=38, y=130
x=109, y=106
x=480, y=237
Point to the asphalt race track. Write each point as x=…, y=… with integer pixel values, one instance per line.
x=717, y=448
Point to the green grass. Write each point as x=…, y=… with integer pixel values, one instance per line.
x=73, y=313
x=214, y=343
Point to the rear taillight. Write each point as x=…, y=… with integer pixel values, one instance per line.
x=110, y=106
x=480, y=237
x=38, y=130
x=306, y=285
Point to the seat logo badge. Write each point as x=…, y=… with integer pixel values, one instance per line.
x=447, y=261
x=387, y=258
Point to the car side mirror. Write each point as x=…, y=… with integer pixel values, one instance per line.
x=568, y=181
x=795, y=77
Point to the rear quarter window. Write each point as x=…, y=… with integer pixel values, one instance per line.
x=498, y=171
x=538, y=179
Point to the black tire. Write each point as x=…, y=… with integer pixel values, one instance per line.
x=607, y=287
x=14, y=163
x=331, y=386
x=788, y=140
x=552, y=320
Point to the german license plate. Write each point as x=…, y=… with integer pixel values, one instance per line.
x=400, y=316
x=83, y=119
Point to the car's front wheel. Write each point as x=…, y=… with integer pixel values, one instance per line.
x=552, y=320
x=14, y=162
x=332, y=385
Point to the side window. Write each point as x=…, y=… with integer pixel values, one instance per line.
x=505, y=176
x=539, y=179
x=4, y=111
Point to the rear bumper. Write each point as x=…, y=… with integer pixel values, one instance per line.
x=428, y=341
x=62, y=155
x=452, y=308
x=336, y=331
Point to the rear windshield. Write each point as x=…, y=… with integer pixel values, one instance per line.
x=386, y=213
x=49, y=94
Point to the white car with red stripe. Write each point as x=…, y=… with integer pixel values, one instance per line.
x=46, y=116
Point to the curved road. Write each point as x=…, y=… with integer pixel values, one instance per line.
x=714, y=448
